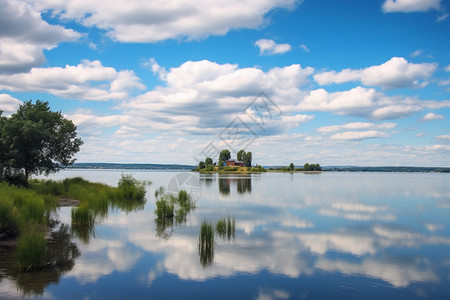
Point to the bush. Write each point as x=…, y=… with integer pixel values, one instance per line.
x=131, y=189
x=82, y=216
x=165, y=207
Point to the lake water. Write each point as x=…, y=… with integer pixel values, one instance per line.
x=296, y=236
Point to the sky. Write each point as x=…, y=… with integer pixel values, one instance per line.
x=362, y=83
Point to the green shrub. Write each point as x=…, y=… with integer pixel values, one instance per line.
x=131, y=189
x=165, y=207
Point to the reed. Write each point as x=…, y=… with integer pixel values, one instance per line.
x=31, y=249
x=82, y=216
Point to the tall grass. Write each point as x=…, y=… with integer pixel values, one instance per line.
x=82, y=216
x=31, y=249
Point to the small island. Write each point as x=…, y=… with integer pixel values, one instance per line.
x=243, y=165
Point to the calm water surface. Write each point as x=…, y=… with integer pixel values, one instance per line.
x=297, y=236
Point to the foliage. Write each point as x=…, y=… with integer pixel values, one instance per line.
x=82, y=216
x=312, y=167
x=291, y=167
x=246, y=157
x=35, y=140
x=208, y=161
x=31, y=249
x=224, y=155
x=130, y=189
x=201, y=165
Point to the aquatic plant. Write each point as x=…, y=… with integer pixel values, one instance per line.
x=31, y=249
x=131, y=189
x=206, y=244
x=82, y=216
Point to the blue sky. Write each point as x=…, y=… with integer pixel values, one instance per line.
x=329, y=82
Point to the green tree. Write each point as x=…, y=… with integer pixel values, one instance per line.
x=306, y=167
x=248, y=159
x=201, y=165
x=224, y=155
x=241, y=155
x=208, y=161
x=39, y=140
x=292, y=167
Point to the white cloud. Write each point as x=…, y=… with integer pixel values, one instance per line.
x=432, y=117
x=447, y=68
x=359, y=135
x=304, y=47
x=410, y=5
x=366, y=102
x=395, y=73
x=356, y=126
x=269, y=47
x=86, y=81
x=152, y=21
x=9, y=104
x=434, y=227
x=24, y=35
x=442, y=17
x=445, y=137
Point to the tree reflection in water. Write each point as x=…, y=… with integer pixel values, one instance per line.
x=243, y=185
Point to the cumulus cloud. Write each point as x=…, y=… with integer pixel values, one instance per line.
x=410, y=5
x=269, y=47
x=149, y=21
x=395, y=73
x=432, y=117
x=86, y=81
x=9, y=104
x=203, y=97
x=366, y=102
x=24, y=35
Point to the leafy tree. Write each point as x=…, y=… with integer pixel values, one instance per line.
x=224, y=155
x=306, y=167
x=208, y=161
x=241, y=155
x=38, y=140
x=248, y=159
x=201, y=165
x=292, y=167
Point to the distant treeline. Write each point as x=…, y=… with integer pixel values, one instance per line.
x=388, y=169
x=130, y=166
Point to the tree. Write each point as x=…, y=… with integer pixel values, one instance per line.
x=208, y=161
x=292, y=167
x=224, y=155
x=201, y=165
x=306, y=167
x=248, y=159
x=241, y=155
x=38, y=140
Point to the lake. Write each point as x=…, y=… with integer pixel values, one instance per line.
x=294, y=236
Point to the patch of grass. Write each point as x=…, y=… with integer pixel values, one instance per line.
x=82, y=216
x=31, y=249
x=165, y=207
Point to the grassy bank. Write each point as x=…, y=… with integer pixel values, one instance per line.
x=24, y=212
